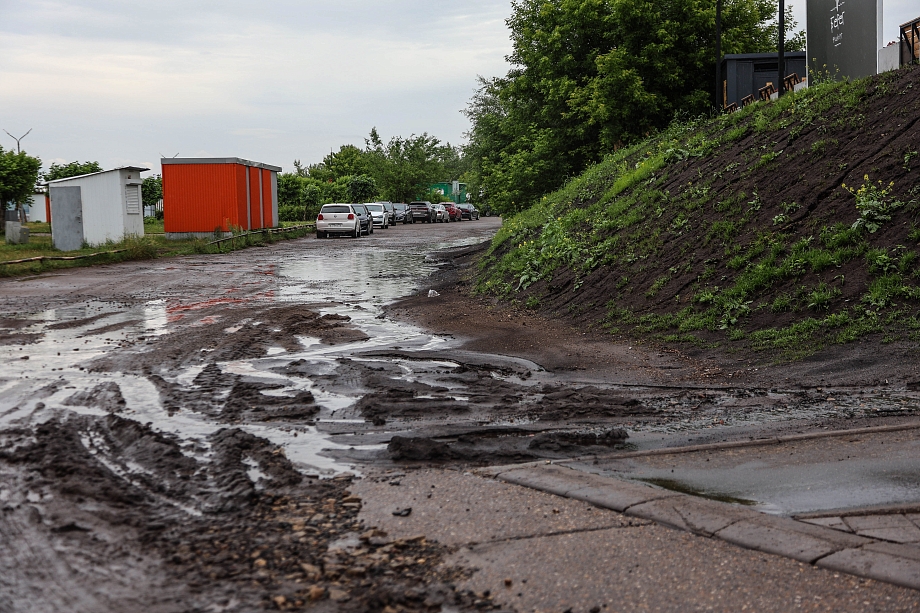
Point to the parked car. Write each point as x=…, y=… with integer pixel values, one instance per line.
x=389, y=207
x=440, y=213
x=453, y=213
x=402, y=213
x=379, y=214
x=468, y=211
x=422, y=210
x=338, y=219
x=367, y=224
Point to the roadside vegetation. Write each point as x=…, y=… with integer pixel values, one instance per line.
x=132, y=248
x=588, y=78
x=399, y=170
x=780, y=228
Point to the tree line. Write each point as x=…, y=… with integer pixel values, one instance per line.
x=591, y=76
x=399, y=170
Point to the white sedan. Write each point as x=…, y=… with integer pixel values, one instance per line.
x=337, y=219
x=380, y=214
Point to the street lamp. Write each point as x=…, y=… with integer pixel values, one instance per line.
x=719, y=104
x=781, y=64
x=18, y=150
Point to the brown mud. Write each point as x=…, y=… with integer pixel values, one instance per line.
x=181, y=445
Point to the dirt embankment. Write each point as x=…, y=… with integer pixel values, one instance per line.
x=740, y=232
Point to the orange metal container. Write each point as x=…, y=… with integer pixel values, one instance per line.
x=204, y=195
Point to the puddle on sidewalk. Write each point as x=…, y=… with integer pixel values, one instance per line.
x=810, y=476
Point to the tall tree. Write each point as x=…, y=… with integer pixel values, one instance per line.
x=18, y=176
x=362, y=188
x=71, y=169
x=589, y=76
x=404, y=168
x=152, y=192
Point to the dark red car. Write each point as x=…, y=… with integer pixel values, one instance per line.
x=452, y=211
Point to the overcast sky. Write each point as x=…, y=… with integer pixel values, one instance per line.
x=122, y=82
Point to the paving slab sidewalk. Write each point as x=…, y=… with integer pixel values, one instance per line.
x=593, y=545
x=806, y=541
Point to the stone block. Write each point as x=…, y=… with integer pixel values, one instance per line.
x=875, y=564
x=13, y=232
x=551, y=478
x=619, y=495
x=790, y=538
x=695, y=515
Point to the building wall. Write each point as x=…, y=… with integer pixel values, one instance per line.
x=889, y=58
x=745, y=76
x=204, y=197
x=274, y=191
x=268, y=215
x=104, y=213
x=218, y=193
x=37, y=210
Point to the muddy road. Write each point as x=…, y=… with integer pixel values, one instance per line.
x=180, y=435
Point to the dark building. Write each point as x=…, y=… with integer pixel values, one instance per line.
x=745, y=74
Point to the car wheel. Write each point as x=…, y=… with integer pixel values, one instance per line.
x=357, y=231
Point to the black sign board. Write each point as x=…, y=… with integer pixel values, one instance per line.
x=844, y=37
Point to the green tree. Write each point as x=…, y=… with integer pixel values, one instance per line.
x=362, y=188
x=18, y=176
x=152, y=192
x=71, y=169
x=312, y=199
x=405, y=168
x=589, y=76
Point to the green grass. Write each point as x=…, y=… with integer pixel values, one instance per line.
x=132, y=248
x=771, y=256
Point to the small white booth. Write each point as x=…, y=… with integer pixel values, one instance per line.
x=95, y=208
x=35, y=209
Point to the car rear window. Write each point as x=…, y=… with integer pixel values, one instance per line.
x=336, y=208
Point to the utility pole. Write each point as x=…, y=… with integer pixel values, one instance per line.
x=719, y=104
x=781, y=64
x=18, y=150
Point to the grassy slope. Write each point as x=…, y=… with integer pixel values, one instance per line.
x=738, y=230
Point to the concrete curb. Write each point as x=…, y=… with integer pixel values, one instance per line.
x=813, y=544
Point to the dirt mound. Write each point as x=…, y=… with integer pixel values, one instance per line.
x=219, y=334
x=105, y=396
x=557, y=441
x=420, y=450
x=570, y=402
x=783, y=227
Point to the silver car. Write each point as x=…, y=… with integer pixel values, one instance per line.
x=338, y=219
x=380, y=214
x=440, y=213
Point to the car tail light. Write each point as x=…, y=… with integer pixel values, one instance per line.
x=351, y=216
x=320, y=217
